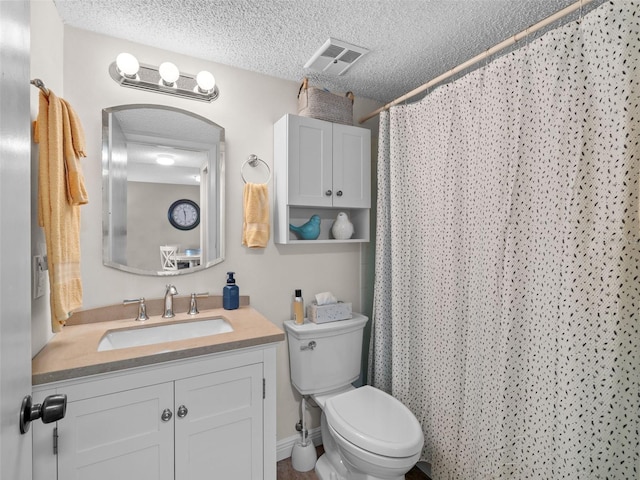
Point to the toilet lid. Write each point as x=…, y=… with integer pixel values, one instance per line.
x=375, y=421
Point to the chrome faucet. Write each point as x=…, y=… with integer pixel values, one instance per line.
x=142, y=308
x=168, y=301
x=193, y=305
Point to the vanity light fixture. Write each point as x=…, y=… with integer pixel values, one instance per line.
x=166, y=78
x=127, y=65
x=169, y=74
x=206, y=82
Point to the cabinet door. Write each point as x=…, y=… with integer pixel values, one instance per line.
x=351, y=167
x=220, y=434
x=118, y=436
x=310, y=173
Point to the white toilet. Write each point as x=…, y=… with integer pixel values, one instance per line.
x=366, y=433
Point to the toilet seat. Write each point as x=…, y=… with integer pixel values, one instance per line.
x=375, y=421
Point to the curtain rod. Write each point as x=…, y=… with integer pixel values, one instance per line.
x=504, y=44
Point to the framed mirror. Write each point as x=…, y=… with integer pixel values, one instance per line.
x=162, y=189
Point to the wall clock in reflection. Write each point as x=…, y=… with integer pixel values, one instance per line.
x=184, y=214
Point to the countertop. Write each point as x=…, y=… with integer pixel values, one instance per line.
x=74, y=352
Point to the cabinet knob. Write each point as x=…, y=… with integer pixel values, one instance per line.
x=182, y=411
x=339, y=193
x=166, y=415
x=328, y=193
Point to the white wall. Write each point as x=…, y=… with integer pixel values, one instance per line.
x=248, y=106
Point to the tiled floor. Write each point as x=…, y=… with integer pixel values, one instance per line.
x=286, y=471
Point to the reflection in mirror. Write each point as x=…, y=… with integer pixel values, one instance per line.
x=163, y=190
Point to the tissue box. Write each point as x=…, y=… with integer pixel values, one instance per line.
x=328, y=313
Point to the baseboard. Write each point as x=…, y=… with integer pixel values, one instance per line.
x=285, y=446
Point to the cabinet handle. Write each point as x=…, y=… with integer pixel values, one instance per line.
x=339, y=193
x=166, y=415
x=328, y=193
x=182, y=411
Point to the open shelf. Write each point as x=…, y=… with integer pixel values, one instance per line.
x=299, y=215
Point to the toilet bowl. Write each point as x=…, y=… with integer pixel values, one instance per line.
x=376, y=435
x=367, y=434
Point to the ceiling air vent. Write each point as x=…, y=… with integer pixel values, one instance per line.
x=335, y=57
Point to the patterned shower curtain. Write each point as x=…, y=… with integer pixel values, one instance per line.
x=507, y=290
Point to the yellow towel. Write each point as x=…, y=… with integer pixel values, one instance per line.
x=255, y=228
x=61, y=191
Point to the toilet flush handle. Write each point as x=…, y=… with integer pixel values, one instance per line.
x=310, y=346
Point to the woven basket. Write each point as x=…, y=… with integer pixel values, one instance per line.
x=317, y=103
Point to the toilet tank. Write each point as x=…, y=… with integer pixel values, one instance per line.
x=333, y=361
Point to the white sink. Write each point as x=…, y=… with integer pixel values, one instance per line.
x=136, y=337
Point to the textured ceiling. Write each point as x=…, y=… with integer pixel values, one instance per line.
x=410, y=42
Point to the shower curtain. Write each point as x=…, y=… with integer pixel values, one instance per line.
x=507, y=276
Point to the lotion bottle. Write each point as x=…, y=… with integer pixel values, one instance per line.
x=230, y=293
x=298, y=308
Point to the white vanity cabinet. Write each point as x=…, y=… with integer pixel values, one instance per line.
x=221, y=434
x=210, y=417
x=321, y=168
x=119, y=435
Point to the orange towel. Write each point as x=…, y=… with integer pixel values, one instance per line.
x=61, y=191
x=255, y=228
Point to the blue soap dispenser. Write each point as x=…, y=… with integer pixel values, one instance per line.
x=230, y=293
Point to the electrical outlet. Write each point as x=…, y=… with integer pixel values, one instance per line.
x=39, y=276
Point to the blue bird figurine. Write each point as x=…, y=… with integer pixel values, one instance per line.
x=308, y=231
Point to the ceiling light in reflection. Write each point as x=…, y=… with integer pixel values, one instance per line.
x=164, y=159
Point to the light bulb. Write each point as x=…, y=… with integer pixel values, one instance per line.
x=206, y=82
x=169, y=73
x=164, y=159
x=127, y=65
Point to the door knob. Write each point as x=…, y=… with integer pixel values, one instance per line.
x=339, y=193
x=328, y=193
x=51, y=410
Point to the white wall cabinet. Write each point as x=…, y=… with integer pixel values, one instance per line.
x=185, y=420
x=321, y=168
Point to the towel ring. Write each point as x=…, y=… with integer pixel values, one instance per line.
x=253, y=162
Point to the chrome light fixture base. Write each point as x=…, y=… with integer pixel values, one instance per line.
x=148, y=78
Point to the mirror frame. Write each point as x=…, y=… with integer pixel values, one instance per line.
x=220, y=176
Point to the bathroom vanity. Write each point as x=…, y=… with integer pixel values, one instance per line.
x=195, y=408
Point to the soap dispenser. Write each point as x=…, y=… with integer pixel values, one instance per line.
x=230, y=293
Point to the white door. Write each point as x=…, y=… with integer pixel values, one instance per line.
x=15, y=215
x=218, y=427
